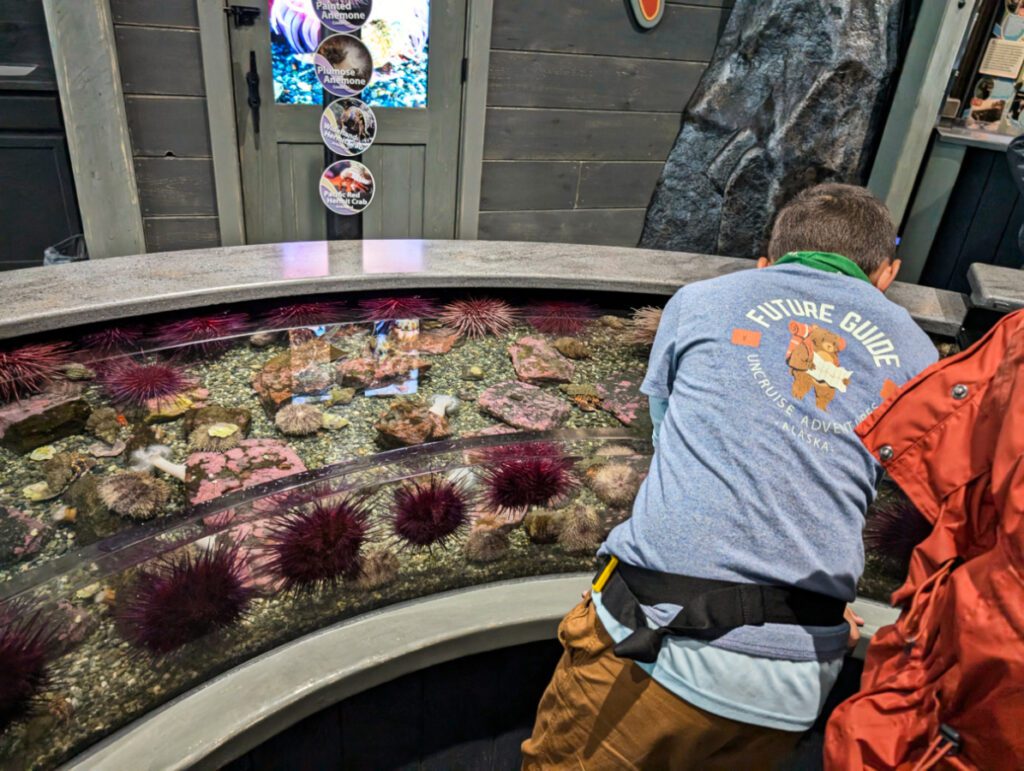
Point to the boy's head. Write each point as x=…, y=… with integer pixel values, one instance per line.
x=843, y=219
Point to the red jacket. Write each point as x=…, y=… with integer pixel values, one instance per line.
x=952, y=666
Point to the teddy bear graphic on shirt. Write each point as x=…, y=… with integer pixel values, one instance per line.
x=813, y=359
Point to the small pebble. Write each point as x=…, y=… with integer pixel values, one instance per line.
x=36, y=492
x=473, y=373
x=613, y=322
x=335, y=422
x=43, y=453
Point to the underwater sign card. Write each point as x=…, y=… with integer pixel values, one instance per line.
x=348, y=126
x=343, y=65
x=346, y=187
x=343, y=15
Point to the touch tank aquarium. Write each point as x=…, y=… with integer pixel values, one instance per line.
x=181, y=493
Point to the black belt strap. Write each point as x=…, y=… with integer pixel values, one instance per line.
x=707, y=605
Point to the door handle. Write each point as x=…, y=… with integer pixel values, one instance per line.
x=252, y=80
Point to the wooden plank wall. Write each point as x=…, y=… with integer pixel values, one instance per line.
x=162, y=73
x=582, y=110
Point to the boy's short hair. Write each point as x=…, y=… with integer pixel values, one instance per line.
x=844, y=219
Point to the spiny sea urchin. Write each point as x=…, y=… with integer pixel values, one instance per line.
x=518, y=476
x=30, y=369
x=28, y=643
x=615, y=483
x=430, y=512
x=894, y=528
x=316, y=545
x=134, y=384
x=643, y=325
x=299, y=419
x=112, y=340
x=389, y=308
x=203, y=335
x=479, y=316
x=486, y=545
x=184, y=598
x=560, y=317
x=581, y=531
x=304, y=314
x=134, y=494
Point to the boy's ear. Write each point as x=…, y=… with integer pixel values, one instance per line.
x=883, y=277
x=763, y=262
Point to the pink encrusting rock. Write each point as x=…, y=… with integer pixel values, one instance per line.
x=622, y=398
x=524, y=406
x=253, y=462
x=537, y=361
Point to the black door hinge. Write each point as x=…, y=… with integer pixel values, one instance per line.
x=244, y=15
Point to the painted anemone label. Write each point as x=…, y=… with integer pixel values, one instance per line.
x=342, y=15
x=346, y=187
x=343, y=65
x=348, y=126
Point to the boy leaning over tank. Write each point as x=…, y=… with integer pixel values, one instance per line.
x=719, y=623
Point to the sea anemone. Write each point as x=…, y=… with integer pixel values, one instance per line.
x=112, y=340
x=28, y=643
x=304, y=314
x=204, y=335
x=184, y=598
x=134, y=494
x=135, y=384
x=476, y=317
x=894, y=529
x=560, y=317
x=388, y=308
x=486, y=544
x=378, y=568
x=430, y=512
x=643, y=325
x=615, y=483
x=581, y=531
x=299, y=419
x=524, y=475
x=316, y=545
x=30, y=369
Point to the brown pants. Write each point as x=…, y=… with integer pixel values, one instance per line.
x=602, y=712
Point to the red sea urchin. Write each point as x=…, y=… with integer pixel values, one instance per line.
x=183, y=599
x=314, y=546
x=560, y=317
x=112, y=340
x=894, y=529
x=28, y=642
x=304, y=314
x=430, y=512
x=388, y=308
x=204, y=335
x=518, y=476
x=135, y=384
x=30, y=369
x=476, y=317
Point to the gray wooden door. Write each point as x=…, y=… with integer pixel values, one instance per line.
x=414, y=159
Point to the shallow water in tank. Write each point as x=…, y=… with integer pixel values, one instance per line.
x=410, y=446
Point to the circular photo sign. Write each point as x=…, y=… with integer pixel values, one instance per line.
x=346, y=187
x=348, y=126
x=343, y=65
x=342, y=15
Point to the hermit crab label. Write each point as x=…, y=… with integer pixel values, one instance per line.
x=343, y=65
x=346, y=187
x=343, y=15
x=348, y=126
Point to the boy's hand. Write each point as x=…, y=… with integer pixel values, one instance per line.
x=855, y=623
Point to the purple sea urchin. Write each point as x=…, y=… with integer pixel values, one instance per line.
x=184, y=598
x=304, y=314
x=894, y=528
x=112, y=340
x=560, y=317
x=524, y=475
x=430, y=512
x=388, y=308
x=134, y=494
x=135, y=384
x=28, y=642
x=476, y=317
x=316, y=545
x=30, y=369
x=205, y=335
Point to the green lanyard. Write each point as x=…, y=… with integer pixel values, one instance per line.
x=826, y=261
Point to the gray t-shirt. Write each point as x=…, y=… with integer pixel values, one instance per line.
x=758, y=475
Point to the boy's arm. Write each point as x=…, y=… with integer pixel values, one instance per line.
x=658, y=409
